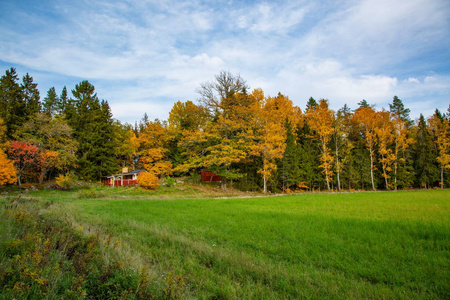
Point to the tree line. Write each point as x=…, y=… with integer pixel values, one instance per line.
x=252, y=140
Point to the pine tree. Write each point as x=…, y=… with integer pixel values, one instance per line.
x=397, y=108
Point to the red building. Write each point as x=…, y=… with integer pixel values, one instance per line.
x=210, y=176
x=124, y=179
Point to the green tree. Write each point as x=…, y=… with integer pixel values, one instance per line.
x=12, y=104
x=53, y=137
x=309, y=155
x=289, y=166
x=63, y=101
x=92, y=124
x=51, y=103
x=397, y=108
x=341, y=141
x=31, y=97
x=424, y=157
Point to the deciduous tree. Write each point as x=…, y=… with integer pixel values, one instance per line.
x=153, y=149
x=24, y=156
x=366, y=118
x=441, y=135
x=321, y=120
x=385, y=136
x=8, y=173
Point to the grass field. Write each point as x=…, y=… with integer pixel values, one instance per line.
x=376, y=245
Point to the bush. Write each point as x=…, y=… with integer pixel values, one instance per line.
x=67, y=181
x=169, y=181
x=148, y=180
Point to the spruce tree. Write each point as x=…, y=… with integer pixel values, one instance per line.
x=425, y=166
x=308, y=153
x=30, y=96
x=289, y=165
x=51, y=102
x=92, y=123
x=12, y=104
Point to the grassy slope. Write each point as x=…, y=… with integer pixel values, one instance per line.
x=388, y=245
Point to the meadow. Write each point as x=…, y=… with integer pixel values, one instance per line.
x=372, y=245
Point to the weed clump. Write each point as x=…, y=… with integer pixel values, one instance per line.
x=91, y=194
x=42, y=257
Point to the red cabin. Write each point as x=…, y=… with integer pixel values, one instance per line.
x=124, y=179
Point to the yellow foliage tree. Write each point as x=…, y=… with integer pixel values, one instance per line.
x=270, y=132
x=223, y=140
x=367, y=119
x=440, y=128
x=152, y=149
x=148, y=180
x=321, y=120
x=385, y=135
x=8, y=173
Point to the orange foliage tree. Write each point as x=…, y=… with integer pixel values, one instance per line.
x=46, y=160
x=148, y=180
x=24, y=156
x=321, y=120
x=8, y=173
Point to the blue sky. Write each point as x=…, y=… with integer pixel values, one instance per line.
x=144, y=55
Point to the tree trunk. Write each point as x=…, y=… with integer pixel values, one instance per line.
x=223, y=183
x=384, y=173
x=338, y=166
x=371, y=169
x=265, y=184
x=442, y=178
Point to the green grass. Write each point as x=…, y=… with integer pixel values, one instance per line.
x=353, y=245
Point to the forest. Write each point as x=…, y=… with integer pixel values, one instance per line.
x=255, y=142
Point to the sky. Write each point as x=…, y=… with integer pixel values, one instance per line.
x=143, y=55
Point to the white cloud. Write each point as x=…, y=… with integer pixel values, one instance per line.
x=152, y=53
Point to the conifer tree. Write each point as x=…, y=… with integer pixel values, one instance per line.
x=50, y=103
x=424, y=157
x=92, y=124
x=30, y=96
x=12, y=104
x=289, y=166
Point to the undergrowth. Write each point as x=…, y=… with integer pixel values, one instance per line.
x=41, y=257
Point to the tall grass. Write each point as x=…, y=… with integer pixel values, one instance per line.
x=355, y=245
x=41, y=257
